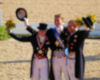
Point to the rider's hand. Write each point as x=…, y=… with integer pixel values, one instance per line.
x=87, y=28
x=26, y=22
x=8, y=30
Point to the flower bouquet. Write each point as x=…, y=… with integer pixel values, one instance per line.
x=10, y=24
x=93, y=18
x=79, y=22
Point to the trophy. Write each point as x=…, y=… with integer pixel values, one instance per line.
x=21, y=14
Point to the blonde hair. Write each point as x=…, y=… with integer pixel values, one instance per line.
x=59, y=16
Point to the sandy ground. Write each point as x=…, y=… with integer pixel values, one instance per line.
x=15, y=56
x=44, y=10
x=15, y=60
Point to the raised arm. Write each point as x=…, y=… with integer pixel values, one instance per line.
x=84, y=33
x=19, y=38
x=31, y=30
x=28, y=26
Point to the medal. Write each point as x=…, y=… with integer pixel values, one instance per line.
x=75, y=36
x=40, y=51
x=60, y=42
x=38, y=41
x=57, y=43
x=66, y=52
x=72, y=44
x=75, y=40
x=71, y=48
x=40, y=45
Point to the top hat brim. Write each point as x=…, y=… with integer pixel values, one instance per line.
x=40, y=28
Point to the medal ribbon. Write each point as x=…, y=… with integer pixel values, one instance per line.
x=58, y=38
x=38, y=41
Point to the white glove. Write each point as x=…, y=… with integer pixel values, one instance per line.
x=26, y=21
x=93, y=27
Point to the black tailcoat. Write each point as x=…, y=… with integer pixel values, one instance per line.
x=32, y=39
x=76, y=43
x=50, y=33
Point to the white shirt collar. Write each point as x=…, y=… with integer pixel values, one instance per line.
x=59, y=29
x=42, y=38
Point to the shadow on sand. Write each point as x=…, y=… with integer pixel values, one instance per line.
x=87, y=58
x=16, y=61
x=92, y=58
x=92, y=79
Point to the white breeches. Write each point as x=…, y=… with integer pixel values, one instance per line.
x=59, y=66
x=40, y=69
x=71, y=68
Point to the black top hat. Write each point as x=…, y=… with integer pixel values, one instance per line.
x=18, y=9
x=88, y=22
x=42, y=26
